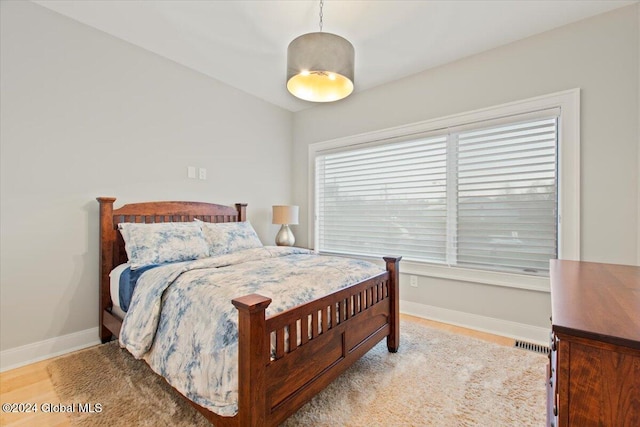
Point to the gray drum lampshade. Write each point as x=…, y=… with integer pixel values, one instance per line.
x=320, y=67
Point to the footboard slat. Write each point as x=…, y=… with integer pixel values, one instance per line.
x=304, y=330
x=293, y=336
x=314, y=324
x=325, y=321
x=279, y=343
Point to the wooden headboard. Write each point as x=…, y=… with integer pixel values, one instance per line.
x=112, y=252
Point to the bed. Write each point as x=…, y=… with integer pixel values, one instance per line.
x=284, y=358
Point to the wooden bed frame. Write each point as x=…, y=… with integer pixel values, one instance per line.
x=269, y=389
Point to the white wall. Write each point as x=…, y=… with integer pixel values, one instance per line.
x=84, y=114
x=600, y=56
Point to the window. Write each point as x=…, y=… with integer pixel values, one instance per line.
x=481, y=193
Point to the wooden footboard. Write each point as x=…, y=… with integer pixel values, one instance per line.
x=314, y=343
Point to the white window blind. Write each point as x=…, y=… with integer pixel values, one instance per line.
x=381, y=200
x=480, y=196
x=507, y=198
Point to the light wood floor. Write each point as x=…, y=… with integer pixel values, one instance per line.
x=31, y=383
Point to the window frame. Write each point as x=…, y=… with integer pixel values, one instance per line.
x=568, y=180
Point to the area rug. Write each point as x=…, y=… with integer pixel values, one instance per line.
x=436, y=379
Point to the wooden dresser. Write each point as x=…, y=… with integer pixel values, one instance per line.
x=594, y=364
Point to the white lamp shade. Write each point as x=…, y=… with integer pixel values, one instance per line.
x=283, y=214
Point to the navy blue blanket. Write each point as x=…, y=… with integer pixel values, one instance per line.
x=128, y=280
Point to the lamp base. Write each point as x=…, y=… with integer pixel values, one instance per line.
x=285, y=236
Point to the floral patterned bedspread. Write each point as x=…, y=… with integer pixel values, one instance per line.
x=182, y=322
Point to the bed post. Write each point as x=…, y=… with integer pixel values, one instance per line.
x=107, y=238
x=393, y=339
x=253, y=357
x=242, y=211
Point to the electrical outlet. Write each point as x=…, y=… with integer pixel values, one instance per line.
x=413, y=281
x=202, y=173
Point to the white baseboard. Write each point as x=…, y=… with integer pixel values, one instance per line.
x=35, y=352
x=506, y=328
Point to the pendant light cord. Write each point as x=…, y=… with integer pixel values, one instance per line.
x=321, y=4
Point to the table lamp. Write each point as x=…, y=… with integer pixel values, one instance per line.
x=285, y=215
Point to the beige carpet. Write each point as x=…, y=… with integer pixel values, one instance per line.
x=436, y=379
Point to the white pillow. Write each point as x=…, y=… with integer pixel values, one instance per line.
x=227, y=237
x=148, y=244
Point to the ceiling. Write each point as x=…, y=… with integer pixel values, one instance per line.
x=244, y=43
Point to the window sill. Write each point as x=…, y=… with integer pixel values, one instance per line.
x=493, y=278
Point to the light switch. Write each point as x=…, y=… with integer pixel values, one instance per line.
x=191, y=172
x=413, y=281
x=202, y=173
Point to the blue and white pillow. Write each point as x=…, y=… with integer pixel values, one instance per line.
x=148, y=244
x=227, y=237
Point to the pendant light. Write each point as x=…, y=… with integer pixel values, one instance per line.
x=320, y=66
